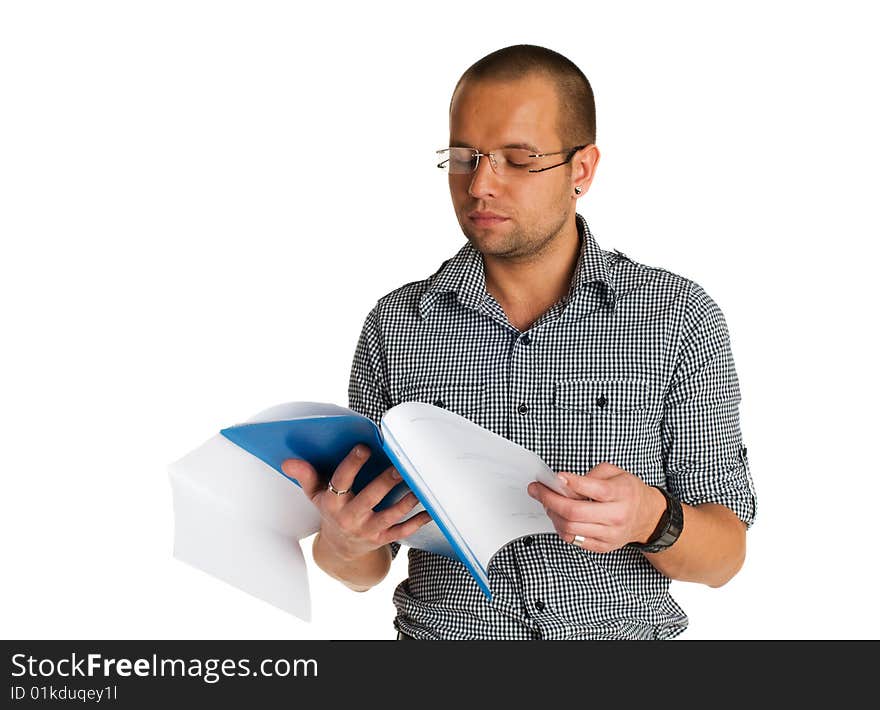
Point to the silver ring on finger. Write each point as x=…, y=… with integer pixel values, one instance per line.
x=578, y=540
x=336, y=491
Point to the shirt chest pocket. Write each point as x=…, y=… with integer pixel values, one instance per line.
x=599, y=420
x=468, y=400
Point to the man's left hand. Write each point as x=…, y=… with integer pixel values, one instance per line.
x=612, y=507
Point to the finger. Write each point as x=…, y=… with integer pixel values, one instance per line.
x=539, y=491
x=407, y=527
x=568, y=508
x=577, y=535
x=605, y=470
x=305, y=475
x=600, y=488
x=375, y=491
x=591, y=544
x=387, y=518
x=560, y=488
x=567, y=530
x=345, y=473
x=542, y=493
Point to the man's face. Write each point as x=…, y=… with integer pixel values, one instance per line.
x=487, y=115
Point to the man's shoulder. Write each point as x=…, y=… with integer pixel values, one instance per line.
x=406, y=295
x=659, y=289
x=409, y=295
x=629, y=275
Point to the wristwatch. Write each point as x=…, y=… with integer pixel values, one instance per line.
x=669, y=528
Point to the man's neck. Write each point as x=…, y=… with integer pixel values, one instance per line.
x=526, y=288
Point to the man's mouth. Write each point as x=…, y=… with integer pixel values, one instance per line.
x=484, y=219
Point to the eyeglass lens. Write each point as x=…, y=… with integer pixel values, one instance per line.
x=507, y=161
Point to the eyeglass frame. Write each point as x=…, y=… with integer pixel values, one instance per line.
x=491, y=156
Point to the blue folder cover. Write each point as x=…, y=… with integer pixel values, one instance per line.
x=324, y=441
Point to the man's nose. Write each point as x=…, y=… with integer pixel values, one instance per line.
x=484, y=180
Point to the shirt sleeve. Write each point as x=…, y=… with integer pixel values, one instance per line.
x=704, y=456
x=367, y=385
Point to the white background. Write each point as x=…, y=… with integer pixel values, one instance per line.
x=200, y=202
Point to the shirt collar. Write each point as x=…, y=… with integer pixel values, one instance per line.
x=464, y=276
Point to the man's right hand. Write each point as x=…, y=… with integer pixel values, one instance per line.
x=350, y=528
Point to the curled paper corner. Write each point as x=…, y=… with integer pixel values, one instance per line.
x=239, y=520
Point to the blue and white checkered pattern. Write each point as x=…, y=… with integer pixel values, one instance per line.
x=633, y=367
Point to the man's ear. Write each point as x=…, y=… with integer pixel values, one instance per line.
x=584, y=164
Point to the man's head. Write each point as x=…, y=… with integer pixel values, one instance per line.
x=530, y=96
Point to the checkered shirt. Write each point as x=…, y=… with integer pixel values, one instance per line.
x=633, y=367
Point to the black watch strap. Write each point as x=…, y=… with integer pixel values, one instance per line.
x=668, y=529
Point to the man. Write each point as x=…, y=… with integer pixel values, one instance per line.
x=618, y=375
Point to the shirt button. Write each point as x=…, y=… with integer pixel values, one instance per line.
x=522, y=409
x=526, y=339
x=527, y=541
x=439, y=403
x=602, y=401
x=539, y=605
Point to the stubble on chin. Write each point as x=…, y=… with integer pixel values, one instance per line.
x=491, y=243
x=512, y=246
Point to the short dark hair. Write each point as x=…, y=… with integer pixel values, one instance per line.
x=577, y=107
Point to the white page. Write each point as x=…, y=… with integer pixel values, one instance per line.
x=481, y=478
x=238, y=519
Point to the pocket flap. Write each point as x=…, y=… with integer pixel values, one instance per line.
x=458, y=398
x=601, y=395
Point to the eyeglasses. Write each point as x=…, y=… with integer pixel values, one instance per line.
x=504, y=161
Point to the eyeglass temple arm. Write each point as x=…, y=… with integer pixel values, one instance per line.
x=570, y=156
